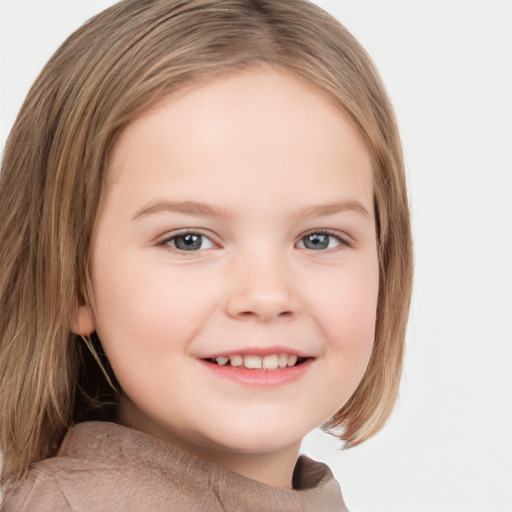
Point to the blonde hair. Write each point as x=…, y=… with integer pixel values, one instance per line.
x=53, y=177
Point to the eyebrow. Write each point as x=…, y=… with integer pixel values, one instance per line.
x=186, y=207
x=204, y=209
x=324, y=210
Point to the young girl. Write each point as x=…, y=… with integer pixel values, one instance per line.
x=206, y=254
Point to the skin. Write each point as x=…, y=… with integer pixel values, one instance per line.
x=267, y=152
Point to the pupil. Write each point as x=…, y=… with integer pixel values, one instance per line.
x=317, y=241
x=188, y=242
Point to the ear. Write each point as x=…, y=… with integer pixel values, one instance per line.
x=82, y=319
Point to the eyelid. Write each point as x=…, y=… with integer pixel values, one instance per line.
x=163, y=241
x=344, y=239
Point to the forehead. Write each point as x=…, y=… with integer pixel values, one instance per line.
x=260, y=124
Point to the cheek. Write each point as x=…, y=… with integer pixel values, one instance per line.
x=346, y=307
x=348, y=299
x=145, y=308
x=144, y=321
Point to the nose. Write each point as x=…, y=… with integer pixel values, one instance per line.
x=262, y=289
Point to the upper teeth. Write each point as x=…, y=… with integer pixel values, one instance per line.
x=271, y=362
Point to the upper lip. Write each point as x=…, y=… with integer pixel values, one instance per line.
x=257, y=351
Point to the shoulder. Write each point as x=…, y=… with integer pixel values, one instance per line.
x=38, y=491
x=70, y=482
x=103, y=466
x=79, y=478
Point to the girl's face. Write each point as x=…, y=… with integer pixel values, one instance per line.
x=237, y=231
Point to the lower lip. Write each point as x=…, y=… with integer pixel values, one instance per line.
x=257, y=377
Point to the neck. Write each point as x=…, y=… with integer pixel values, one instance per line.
x=273, y=468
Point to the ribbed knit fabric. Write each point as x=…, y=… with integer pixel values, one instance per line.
x=107, y=467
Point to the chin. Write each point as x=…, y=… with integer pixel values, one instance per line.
x=258, y=438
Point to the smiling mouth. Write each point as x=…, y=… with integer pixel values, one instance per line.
x=271, y=362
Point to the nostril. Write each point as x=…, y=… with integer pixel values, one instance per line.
x=247, y=314
x=267, y=315
x=262, y=305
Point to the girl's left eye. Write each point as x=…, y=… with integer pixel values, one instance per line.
x=188, y=242
x=320, y=241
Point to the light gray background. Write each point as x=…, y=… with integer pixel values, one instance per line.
x=448, y=68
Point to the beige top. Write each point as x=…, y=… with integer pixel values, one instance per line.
x=107, y=467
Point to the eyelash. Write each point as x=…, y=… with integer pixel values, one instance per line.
x=342, y=241
x=166, y=241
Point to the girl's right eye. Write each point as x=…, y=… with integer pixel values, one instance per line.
x=189, y=241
